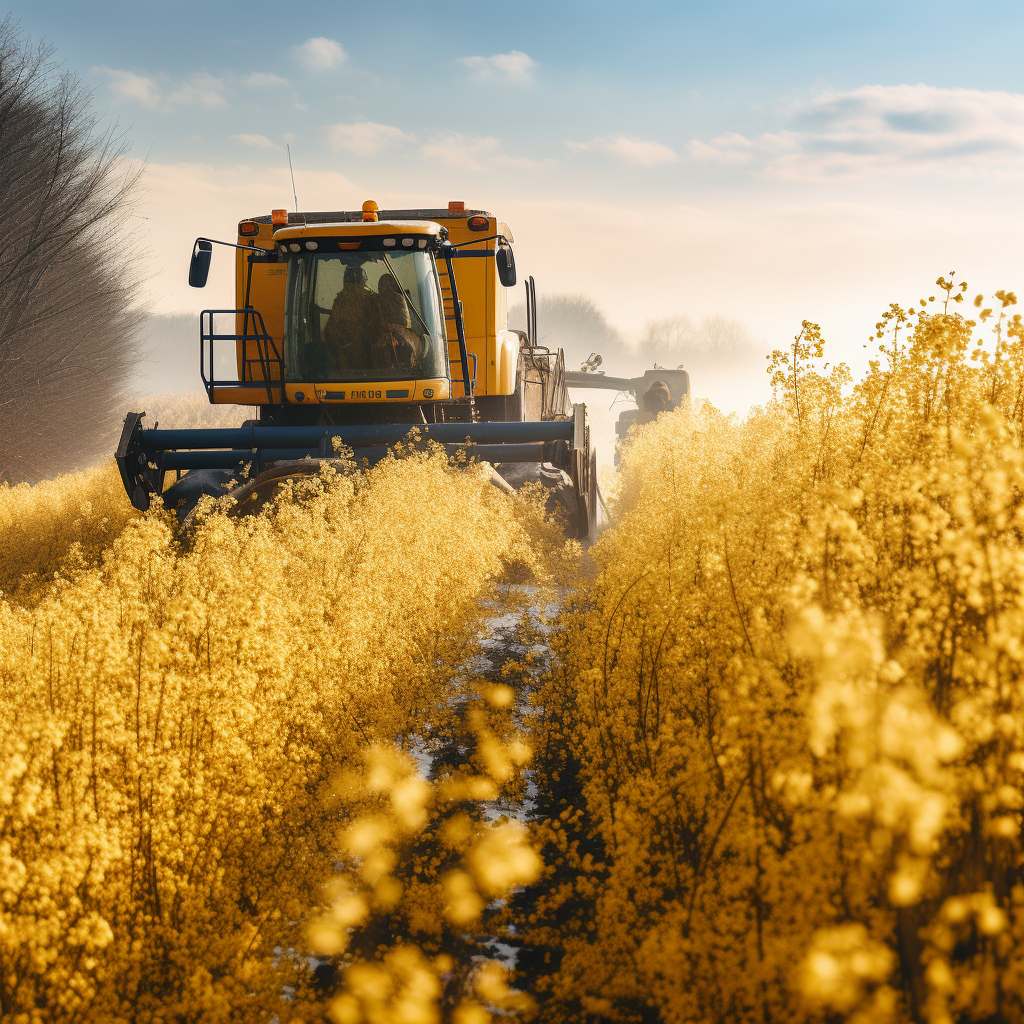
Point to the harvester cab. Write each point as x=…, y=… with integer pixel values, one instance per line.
x=352, y=328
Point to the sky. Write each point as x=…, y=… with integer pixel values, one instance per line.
x=767, y=162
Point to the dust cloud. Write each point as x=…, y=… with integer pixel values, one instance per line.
x=169, y=360
x=726, y=365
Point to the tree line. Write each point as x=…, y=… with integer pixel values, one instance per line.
x=69, y=267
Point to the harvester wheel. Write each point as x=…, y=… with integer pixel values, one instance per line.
x=584, y=484
x=592, y=502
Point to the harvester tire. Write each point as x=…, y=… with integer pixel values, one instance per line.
x=182, y=497
x=593, y=502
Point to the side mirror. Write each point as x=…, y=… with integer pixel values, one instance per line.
x=506, y=265
x=199, y=268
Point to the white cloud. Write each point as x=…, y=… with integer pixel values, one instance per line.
x=463, y=151
x=162, y=93
x=515, y=66
x=257, y=141
x=321, y=53
x=130, y=86
x=640, y=152
x=365, y=138
x=730, y=149
x=199, y=89
x=525, y=162
x=265, y=80
x=878, y=129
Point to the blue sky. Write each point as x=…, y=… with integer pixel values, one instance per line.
x=663, y=71
x=764, y=161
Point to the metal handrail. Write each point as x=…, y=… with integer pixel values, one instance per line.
x=267, y=353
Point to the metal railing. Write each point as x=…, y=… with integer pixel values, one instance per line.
x=267, y=356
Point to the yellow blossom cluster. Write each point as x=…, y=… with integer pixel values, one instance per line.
x=174, y=706
x=786, y=737
x=76, y=516
x=70, y=517
x=419, y=865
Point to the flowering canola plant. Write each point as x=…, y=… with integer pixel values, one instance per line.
x=787, y=731
x=172, y=712
x=76, y=516
x=70, y=517
x=420, y=864
x=782, y=744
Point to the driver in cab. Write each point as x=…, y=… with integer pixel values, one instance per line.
x=408, y=345
x=369, y=330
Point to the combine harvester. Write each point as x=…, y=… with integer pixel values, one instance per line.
x=588, y=377
x=347, y=329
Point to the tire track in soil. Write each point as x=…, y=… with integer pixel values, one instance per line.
x=512, y=647
x=551, y=785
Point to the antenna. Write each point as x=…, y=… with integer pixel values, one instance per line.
x=292, y=172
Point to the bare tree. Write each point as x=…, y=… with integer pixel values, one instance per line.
x=575, y=323
x=69, y=315
x=674, y=339
x=720, y=335
x=668, y=339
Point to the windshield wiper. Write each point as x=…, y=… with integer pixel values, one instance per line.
x=405, y=293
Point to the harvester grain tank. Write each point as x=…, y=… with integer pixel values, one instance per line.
x=351, y=329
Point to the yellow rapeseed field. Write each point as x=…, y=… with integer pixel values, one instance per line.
x=78, y=515
x=70, y=517
x=171, y=716
x=788, y=724
x=779, y=756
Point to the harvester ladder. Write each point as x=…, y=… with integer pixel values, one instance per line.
x=451, y=331
x=267, y=357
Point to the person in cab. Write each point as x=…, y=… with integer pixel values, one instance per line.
x=407, y=345
x=355, y=328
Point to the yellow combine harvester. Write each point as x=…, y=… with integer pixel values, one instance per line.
x=353, y=328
